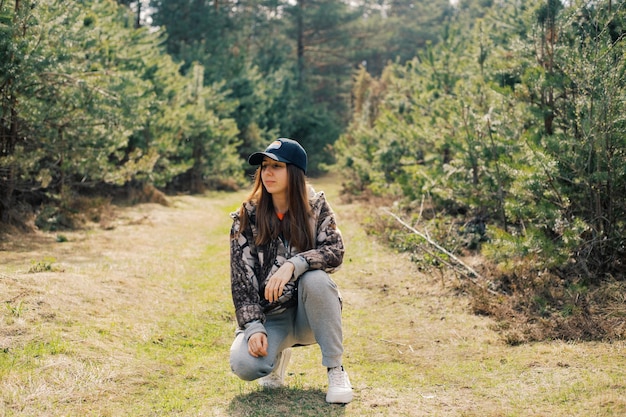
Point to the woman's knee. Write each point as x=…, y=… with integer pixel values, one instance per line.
x=249, y=368
x=317, y=283
x=244, y=365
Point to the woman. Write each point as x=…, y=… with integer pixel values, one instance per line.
x=283, y=244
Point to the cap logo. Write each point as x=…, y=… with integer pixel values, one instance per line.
x=274, y=145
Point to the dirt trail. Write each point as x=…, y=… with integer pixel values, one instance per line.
x=137, y=320
x=100, y=274
x=92, y=300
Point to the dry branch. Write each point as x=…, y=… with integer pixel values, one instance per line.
x=473, y=273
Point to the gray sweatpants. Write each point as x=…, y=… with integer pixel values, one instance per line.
x=316, y=319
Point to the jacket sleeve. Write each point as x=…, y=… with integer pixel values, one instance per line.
x=329, y=250
x=244, y=284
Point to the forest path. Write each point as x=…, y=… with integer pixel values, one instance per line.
x=137, y=320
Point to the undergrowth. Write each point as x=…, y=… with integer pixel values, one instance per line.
x=530, y=301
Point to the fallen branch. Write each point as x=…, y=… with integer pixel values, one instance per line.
x=399, y=344
x=473, y=273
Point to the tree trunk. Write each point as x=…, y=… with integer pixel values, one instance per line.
x=196, y=185
x=138, y=19
x=7, y=173
x=300, y=29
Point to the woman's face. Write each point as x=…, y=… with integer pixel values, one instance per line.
x=274, y=176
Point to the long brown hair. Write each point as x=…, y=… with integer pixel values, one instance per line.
x=295, y=227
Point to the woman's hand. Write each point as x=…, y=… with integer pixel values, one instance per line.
x=276, y=283
x=257, y=345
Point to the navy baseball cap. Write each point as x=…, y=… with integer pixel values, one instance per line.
x=282, y=150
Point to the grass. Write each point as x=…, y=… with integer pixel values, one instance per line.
x=138, y=320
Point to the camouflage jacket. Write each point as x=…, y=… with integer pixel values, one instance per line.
x=251, y=266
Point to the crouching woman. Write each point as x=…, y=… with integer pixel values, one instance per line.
x=284, y=243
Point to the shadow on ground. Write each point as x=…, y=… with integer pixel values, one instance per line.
x=284, y=402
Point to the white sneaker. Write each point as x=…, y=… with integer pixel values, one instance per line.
x=276, y=378
x=339, y=388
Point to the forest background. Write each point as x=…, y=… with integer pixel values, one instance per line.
x=495, y=129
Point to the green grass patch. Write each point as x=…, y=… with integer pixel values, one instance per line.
x=31, y=355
